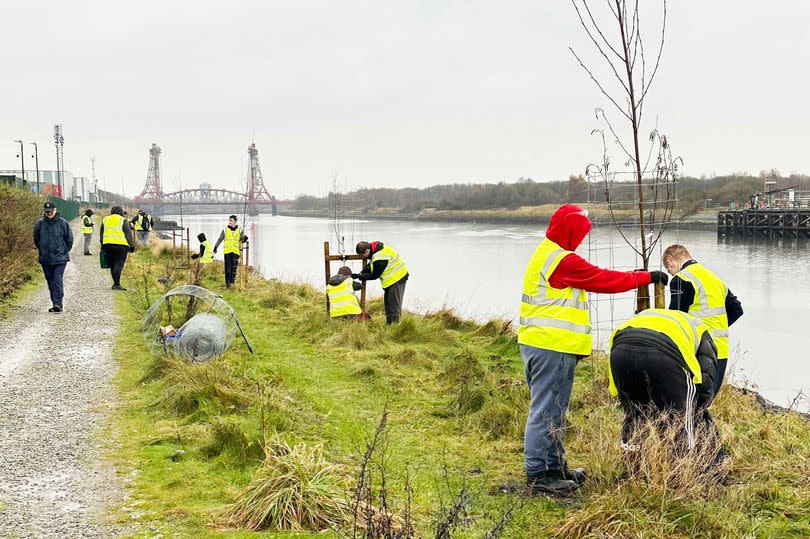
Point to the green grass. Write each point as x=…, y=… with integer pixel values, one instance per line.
x=456, y=405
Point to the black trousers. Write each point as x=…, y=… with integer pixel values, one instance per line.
x=392, y=297
x=54, y=275
x=231, y=263
x=116, y=258
x=651, y=384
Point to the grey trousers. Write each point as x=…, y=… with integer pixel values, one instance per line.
x=550, y=376
x=392, y=297
x=87, y=238
x=143, y=237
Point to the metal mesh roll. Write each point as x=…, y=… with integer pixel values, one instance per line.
x=204, y=324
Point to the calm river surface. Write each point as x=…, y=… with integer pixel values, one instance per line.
x=478, y=271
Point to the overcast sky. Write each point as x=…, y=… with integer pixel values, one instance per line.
x=384, y=93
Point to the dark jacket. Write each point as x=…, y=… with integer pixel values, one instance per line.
x=683, y=296
x=706, y=355
x=54, y=239
x=375, y=270
x=339, y=278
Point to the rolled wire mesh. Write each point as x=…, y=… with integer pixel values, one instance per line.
x=205, y=324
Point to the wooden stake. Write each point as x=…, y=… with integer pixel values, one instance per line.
x=326, y=271
x=660, y=298
x=642, y=298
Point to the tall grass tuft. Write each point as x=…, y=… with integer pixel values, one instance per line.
x=205, y=388
x=469, y=381
x=294, y=489
x=18, y=256
x=229, y=437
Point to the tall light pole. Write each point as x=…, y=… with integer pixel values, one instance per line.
x=59, y=141
x=36, y=157
x=22, y=158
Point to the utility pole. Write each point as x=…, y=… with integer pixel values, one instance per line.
x=59, y=141
x=22, y=158
x=93, y=178
x=36, y=157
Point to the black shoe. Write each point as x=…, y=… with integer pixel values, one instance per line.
x=577, y=475
x=87, y=253
x=55, y=309
x=118, y=287
x=551, y=483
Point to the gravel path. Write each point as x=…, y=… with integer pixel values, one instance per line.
x=56, y=374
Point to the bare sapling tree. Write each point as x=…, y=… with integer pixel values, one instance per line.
x=614, y=29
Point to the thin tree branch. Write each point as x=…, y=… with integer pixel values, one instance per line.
x=593, y=78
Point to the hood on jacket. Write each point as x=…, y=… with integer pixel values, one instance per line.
x=338, y=278
x=568, y=227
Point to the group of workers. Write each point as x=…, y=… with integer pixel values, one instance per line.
x=662, y=361
x=118, y=236
x=384, y=264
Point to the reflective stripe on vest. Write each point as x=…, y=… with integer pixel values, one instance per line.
x=232, y=238
x=114, y=230
x=394, y=271
x=552, y=318
x=342, y=299
x=683, y=329
x=208, y=253
x=709, y=303
x=87, y=225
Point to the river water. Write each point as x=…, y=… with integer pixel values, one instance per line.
x=478, y=271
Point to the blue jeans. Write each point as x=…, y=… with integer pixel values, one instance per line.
x=54, y=274
x=550, y=376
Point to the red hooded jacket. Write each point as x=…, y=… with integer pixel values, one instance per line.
x=568, y=227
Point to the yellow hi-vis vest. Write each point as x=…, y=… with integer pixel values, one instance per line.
x=394, y=271
x=342, y=300
x=114, y=230
x=87, y=225
x=709, y=304
x=553, y=318
x=208, y=254
x=139, y=222
x=232, y=238
x=683, y=329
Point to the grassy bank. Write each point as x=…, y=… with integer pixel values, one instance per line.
x=193, y=437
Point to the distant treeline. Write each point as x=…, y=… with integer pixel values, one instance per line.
x=692, y=193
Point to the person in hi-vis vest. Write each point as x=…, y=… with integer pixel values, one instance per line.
x=662, y=368
x=87, y=229
x=554, y=332
x=233, y=238
x=698, y=291
x=386, y=265
x=206, y=254
x=340, y=292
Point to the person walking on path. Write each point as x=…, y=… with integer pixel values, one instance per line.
x=554, y=333
x=234, y=238
x=698, y=291
x=54, y=240
x=341, y=295
x=142, y=222
x=87, y=229
x=116, y=242
x=662, y=367
x=385, y=265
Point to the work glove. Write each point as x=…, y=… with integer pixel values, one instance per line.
x=355, y=275
x=131, y=248
x=215, y=251
x=195, y=256
x=659, y=277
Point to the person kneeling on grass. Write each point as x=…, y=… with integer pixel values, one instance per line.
x=343, y=302
x=662, y=367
